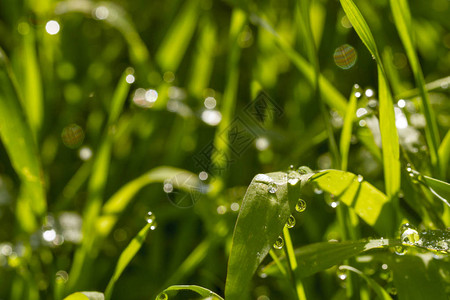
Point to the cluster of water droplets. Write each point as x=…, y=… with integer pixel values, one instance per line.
x=151, y=219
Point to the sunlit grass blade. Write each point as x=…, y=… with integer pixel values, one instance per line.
x=346, y=134
x=402, y=19
x=381, y=293
x=317, y=257
x=267, y=204
x=33, y=98
x=444, y=153
x=204, y=59
x=19, y=143
x=389, y=135
x=176, y=41
x=126, y=256
x=201, y=291
x=85, y=296
x=365, y=200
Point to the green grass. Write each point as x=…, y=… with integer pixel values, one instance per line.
x=145, y=82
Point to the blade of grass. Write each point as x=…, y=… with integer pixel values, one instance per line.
x=85, y=296
x=316, y=257
x=17, y=138
x=444, y=153
x=125, y=258
x=431, y=86
x=33, y=96
x=346, y=134
x=367, y=202
x=177, y=39
x=203, y=292
x=389, y=135
x=403, y=22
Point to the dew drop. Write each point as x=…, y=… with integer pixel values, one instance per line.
x=318, y=191
x=293, y=177
x=409, y=234
x=300, y=206
x=400, y=250
x=290, y=222
x=154, y=225
x=150, y=218
x=279, y=243
x=291, y=167
x=273, y=187
x=360, y=178
x=341, y=274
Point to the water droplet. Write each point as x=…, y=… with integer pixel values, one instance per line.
x=150, y=218
x=400, y=250
x=301, y=205
x=409, y=234
x=369, y=93
x=154, y=225
x=318, y=191
x=291, y=167
x=345, y=56
x=293, y=177
x=101, y=13
x=211, y=117
x=234, y=206
x=279, y=243
x=262, y=143
x=163, y=296
x=49, y=235
x=290, y=222
x=341, y=274
x=384, y=266
x=360, y=178
x=273, y=187
x=221, y=209
x=358, y=94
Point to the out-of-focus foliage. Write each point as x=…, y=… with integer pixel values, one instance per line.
x=113, y=109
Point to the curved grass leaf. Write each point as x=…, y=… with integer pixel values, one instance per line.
x=85, y=296
x=402, y=19
x=125, y=258
x=439, y=188
x=260, y=221
x=317, y=257
x=367, y=202
x=381, y=293
x=20, y=145
x=435, y=240
x=203, y=292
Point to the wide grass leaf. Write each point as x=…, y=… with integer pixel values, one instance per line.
x=18, y=140
x=367, y=202
x=439, y=188
x=126, y=256
x=203, y=292
x=317, y=257
x=267, y=204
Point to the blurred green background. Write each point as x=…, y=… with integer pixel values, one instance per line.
x=188, y=70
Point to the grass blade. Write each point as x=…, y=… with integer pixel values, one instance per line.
x=444, y=153
x=389, y=135
x=367, y=202
x=85, y=296
x=439, y=188
x=203, y=292
x=346, y=134
x=381, y=293
x=402, y=19
x=16, y=134
x=267, y=204
x=317, y=257
x=125, y=258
